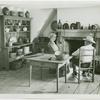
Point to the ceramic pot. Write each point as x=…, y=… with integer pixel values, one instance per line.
x=5, y=11
x=27, y=14
x=78, y=25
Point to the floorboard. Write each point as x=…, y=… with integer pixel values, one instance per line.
x=17, y=82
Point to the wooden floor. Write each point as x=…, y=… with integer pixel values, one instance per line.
x=17, y=81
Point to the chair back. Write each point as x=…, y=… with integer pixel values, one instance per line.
x=86, y=62
x=86, y=56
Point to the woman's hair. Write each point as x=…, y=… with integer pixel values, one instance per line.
x=52, y=35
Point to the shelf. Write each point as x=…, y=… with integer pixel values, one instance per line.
x=76, y=30
x=11, y=32
x=19, y=32
x=69, y=33
x=17, y=25
x=19, y=57
x=18, y=46
x=27, y=53
x=16, y=18
x=23, y=31
x=14, y=26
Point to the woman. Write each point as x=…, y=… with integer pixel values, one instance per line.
x=52, y=43
x=62, y=44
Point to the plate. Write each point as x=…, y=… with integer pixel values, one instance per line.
x=54, y=25
x=24, y=29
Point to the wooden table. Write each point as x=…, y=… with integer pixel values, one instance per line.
x=42, y=60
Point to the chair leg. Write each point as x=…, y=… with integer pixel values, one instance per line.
x=78, y=76
x=88, y=73
x=92, y=75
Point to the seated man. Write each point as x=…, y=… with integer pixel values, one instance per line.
x=75, y=60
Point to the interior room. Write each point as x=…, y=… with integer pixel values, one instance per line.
x=38, y=45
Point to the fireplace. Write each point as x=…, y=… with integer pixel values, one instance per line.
x=74, y=44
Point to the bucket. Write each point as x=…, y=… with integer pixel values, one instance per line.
x=26, y=50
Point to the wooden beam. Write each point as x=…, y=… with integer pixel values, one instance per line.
x=48, y=20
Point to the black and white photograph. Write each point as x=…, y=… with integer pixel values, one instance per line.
x=50, y=47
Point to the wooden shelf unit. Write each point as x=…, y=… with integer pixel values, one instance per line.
x=13, y=27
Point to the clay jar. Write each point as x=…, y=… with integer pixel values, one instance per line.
x=78, y=25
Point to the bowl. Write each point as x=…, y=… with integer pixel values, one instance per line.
x=58, y=55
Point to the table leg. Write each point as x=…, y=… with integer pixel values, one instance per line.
x=57, y=78
x=41, y=72
x=65, y=72
x=30, y=75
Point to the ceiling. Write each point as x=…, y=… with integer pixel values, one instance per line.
x=50, y=4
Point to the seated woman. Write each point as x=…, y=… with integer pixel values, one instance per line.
x=52, y=45
x=62, y=44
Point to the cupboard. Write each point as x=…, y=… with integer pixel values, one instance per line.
x=14, y=39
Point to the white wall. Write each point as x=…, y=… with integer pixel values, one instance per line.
x=85, y=15
x=48, y=30
x=39, y=16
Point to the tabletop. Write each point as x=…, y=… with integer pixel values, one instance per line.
x=46, y=58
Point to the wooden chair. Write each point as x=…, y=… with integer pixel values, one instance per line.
x=97, y=64
x=86, y=57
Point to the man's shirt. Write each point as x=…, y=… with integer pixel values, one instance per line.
x=85, y=53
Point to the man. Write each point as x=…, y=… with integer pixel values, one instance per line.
x=75, y=60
